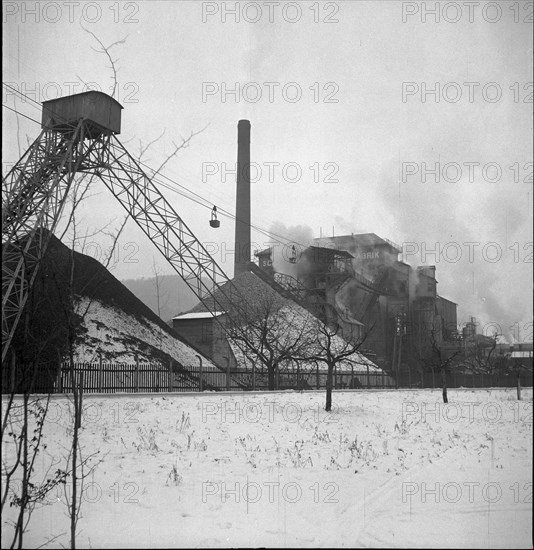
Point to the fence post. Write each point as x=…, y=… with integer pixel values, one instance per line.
x=352, y=375
x=78, y=407
x=137, y=373
x=100, y=373
x=253, y=375
x=170, y=375
x=368, y=380
x=200, y=376
x=317, y=376
x=298, y=376
x=227, y=374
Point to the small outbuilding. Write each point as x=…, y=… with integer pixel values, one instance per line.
x=101, y=111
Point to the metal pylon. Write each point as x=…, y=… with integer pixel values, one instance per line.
x=138, y=193
x=35, y=192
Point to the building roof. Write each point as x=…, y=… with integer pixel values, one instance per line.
x=362, y=239
x=329, y=251
x=263, y=252
x=446, y=299
x=315, y=249
x=96, y=94
x=198, y=315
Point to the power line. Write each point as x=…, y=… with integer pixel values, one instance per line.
x=21, y=94
x=269, y=234
x=21, y=114
x=224, y=211
x=200, y=200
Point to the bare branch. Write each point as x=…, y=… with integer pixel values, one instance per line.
x=143, y=150
x=177, y=148
x=105, y=50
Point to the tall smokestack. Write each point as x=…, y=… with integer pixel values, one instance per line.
x=242, y=204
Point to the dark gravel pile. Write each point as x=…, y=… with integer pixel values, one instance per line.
x=44, y=322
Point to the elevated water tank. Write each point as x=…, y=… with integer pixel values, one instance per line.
x=101, y=111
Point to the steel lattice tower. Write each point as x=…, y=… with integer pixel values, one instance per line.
x=79, y=137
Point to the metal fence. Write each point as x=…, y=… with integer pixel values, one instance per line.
x=99, y=378
x=462, y=380
x=296, y=380
x=145, y=377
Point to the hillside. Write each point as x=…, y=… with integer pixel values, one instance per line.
x=175, y=295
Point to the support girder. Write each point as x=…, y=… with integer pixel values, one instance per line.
x=145, y=203
x=34, y=194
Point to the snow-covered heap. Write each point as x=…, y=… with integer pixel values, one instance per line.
x=262, y=308
x=121, y=337
x=75, y=290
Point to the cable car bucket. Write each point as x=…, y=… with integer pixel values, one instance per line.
x=293, y=257
x=214, y=222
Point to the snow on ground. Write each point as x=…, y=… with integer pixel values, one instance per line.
x=116, y=333
x=383, y=469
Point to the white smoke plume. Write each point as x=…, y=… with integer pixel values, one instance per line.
x=299, y=236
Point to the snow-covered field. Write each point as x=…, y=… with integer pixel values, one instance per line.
x=384, y=468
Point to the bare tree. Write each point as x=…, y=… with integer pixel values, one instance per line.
x=106, y=50
x=488, y=362
x=517, y=367
x=158, y=286
x=23, y=416
x=25, y=429
x=23, y=424
x=435, y=358
x=74, y=314
x=160, y=294
x=272, y=334
x=484, y=360
x=327, y=346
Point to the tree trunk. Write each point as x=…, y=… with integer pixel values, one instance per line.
x=444, y=385
x=329, y=378
x=270, y=371
x=518, y=385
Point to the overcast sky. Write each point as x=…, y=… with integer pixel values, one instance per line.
x=344, y=122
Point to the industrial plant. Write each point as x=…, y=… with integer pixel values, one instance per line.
x=384, y=319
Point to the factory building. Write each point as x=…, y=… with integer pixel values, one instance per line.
x=359, y=282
